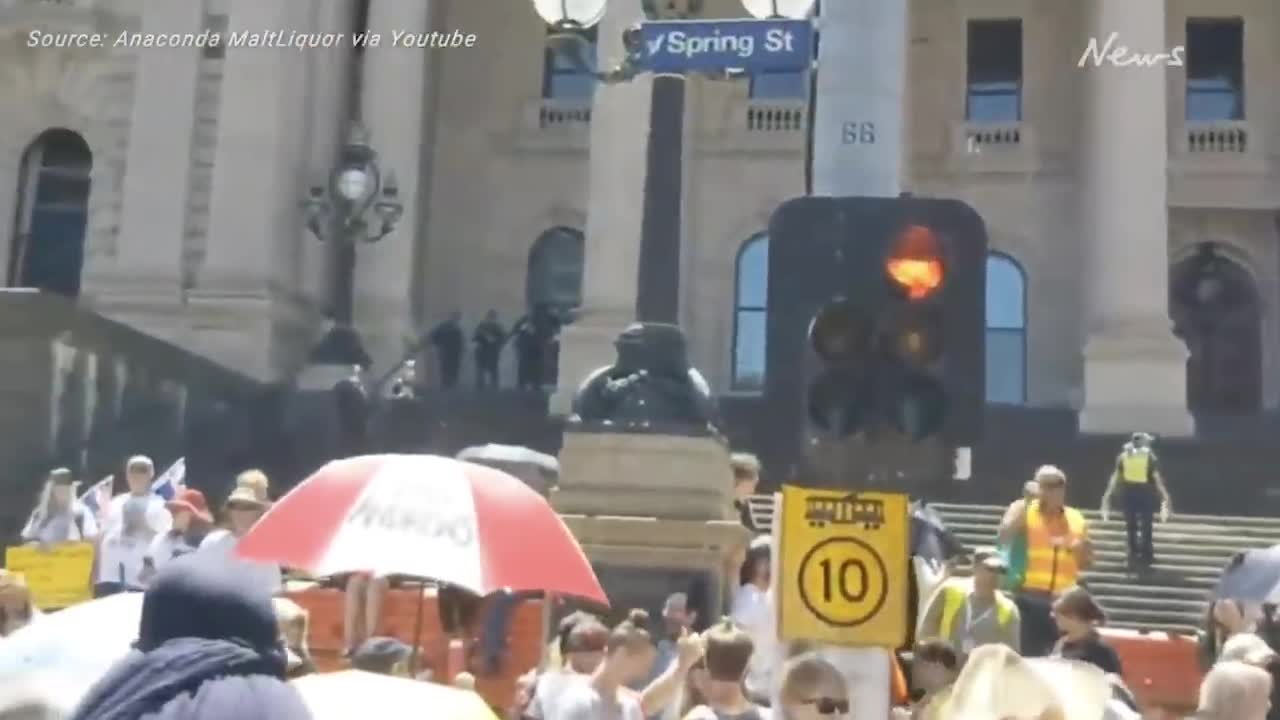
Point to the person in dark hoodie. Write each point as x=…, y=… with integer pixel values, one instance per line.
x=208, y=648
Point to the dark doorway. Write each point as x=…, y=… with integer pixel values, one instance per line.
x=1216, y=312
x=53, y=214
x=555, y=270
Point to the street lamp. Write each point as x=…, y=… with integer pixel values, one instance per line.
x=359, y=204
x=777, y=9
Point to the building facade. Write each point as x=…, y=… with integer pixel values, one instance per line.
x=162, y=186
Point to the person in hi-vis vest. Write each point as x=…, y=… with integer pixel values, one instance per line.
x=969, y=614
x=1058, y=550
x=1137, y=473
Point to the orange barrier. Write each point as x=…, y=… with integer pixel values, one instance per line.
x=1162, y=669
x=399, y=617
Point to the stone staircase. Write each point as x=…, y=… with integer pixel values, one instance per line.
x=1191, y=551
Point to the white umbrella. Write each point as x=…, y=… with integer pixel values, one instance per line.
x=78, y=644
x=513, y=455
x=355, y=694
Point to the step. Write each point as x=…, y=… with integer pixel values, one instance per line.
x=1129, y=601
x=997, y=511
x=1229, y=539
x=1173, y=592
x=1149, y=618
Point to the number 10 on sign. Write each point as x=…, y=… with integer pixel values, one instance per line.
x=843, y=567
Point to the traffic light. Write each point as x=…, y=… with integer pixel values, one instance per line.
x=876, y=318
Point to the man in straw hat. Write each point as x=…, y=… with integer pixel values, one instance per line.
x=996, y=683
x=59, y=517
x=244, y=506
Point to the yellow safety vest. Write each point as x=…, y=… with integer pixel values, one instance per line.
x=954, y=597
x=1135, y=466
x=1051, y=568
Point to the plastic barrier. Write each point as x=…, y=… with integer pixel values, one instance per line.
x=1162, y=669
x=399, y=617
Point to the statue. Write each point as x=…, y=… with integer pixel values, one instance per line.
x=650, y=388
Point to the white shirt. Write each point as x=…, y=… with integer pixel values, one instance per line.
x=120, y=559
x=222, y=542
x=754, y=611
x=582, y=701
x=164, y=548
x=73, y=525
x=158, y=517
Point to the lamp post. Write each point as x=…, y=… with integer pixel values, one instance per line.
x=360, y=203
x=658, y=282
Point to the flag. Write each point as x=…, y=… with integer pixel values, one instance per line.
x=171, y=481
x=98, y=497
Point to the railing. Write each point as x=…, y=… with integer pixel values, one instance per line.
x=1220, y=138
x=775, y=117
x=994, y=147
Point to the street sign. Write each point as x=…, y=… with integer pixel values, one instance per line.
x=843, y=567
x=678, y=46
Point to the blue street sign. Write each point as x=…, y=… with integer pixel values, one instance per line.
x=678, y=46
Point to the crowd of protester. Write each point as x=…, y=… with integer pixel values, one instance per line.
x=217, y=640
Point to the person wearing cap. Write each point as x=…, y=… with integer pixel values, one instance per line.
x=123, y=550
x=244, y=506
x=967, y=615
x=191, y=522
x=1058, y=550
x=140, y=472
x=59, y=517
x=384, y=656
x=1142, y=490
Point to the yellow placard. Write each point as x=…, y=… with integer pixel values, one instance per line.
x=843, y=564
x=58, y=577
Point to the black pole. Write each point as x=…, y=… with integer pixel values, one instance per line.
x=658, y=284
x=342, y=290
x=811, y=111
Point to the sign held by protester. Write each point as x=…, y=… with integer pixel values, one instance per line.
x=58, y=577
x=843, y=565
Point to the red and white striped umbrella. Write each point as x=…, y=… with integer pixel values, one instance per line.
x=425, y=516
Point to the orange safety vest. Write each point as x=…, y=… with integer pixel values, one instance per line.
x=1051, y=568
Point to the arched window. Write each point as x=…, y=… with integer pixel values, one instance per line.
x=53, y=211
x=751, y=292
x=555, y=270
x=1006, y=331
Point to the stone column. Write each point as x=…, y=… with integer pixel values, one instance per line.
x=153, y=216
x=615, y=213
x=857, y=141
x=331, y=74
x=1134, y=367
x=394, y=109
x=254, y=217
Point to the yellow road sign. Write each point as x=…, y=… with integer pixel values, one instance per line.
x=843, y=567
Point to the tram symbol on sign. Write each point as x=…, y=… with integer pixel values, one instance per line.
x=848, y=510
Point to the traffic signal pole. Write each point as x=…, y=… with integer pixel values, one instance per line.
x=855, y=148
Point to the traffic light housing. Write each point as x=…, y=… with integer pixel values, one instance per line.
x=876, y=319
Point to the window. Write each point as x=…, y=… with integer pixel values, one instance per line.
x=751, y=292
x=555, y=270
x=995, y=71
x=1215, y=69
x=1006, y=331
x=53, y=212
x=779, y=85
x=562, y=79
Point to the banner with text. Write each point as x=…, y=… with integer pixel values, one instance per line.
x=57, y=577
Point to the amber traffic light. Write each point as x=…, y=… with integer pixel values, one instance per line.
x=915, y=262
x=887, y=296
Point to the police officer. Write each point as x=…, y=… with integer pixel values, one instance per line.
x=1137, y=474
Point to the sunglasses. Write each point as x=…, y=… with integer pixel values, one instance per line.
x=829, y=706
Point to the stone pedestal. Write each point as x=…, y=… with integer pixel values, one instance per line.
x=665, y=476
x=653, y=513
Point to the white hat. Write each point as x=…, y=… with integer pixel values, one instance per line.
x=997, y=683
